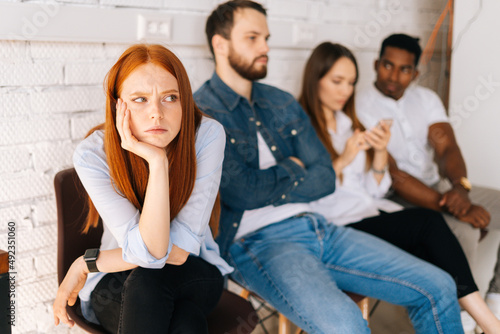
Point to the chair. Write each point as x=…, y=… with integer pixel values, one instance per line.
x=232, y=314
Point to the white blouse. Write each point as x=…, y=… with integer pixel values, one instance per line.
x=358, y=195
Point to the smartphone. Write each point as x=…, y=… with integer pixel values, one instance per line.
x=387, y=121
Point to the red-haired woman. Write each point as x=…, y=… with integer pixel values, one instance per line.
x=152, y=172
x=359, y=157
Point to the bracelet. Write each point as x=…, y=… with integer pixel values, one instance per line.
x=382, y=171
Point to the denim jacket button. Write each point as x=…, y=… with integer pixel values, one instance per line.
x=235, y=225
x=273, y=148
x=251, y=119
x=258, y=123
x=296, y=183
x=233, y=141
x=283, y=196
x=294, y=132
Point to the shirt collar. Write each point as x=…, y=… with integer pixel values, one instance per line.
x=230, y=98
x=259, y=97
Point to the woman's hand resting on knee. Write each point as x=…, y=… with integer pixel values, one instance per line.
x=68, y=291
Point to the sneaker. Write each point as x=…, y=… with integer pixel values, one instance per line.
x=468, y=323
x=493, y=302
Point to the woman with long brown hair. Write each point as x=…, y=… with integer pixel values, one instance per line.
x=152, y=172
x=360, y=159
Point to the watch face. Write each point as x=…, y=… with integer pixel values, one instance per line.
x=465, y=183
x=91, y=254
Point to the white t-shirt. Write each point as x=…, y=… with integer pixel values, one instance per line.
x=358, y=195
x=253, y=220
x=413, y=114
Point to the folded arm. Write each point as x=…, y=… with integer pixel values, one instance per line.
x=451, y=165
x=246, y=188
x=413, y=190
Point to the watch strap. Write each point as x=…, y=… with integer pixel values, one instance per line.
x=92, y=266
x=90, y=257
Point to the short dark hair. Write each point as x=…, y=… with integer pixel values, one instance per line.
x=405, y=42
x=221, y=21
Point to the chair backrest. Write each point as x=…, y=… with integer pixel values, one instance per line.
x=232, y=314
x=71, y=199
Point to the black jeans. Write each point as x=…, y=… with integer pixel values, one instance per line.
x=425, y=234
x=174, y=299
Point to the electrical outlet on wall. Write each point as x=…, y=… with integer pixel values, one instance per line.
x=303, y=34
x=154, y=27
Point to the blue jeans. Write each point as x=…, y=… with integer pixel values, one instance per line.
x=302, y=264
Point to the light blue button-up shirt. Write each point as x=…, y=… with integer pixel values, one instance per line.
x=189, y=230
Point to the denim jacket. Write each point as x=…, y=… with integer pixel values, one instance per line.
x=287, y=131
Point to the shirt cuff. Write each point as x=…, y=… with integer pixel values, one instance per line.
x=294, y=170
x=381, y=189
x=135, y=251
x=182, y=236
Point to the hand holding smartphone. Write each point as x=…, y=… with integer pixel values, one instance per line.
x=387, y=121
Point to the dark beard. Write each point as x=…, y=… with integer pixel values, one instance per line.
x=246, y=71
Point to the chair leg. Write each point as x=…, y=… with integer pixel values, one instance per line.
x=365, y=308
x=284, y=325
x=244, y=293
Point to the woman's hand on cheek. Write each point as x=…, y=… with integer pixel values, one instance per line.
x=129, y=142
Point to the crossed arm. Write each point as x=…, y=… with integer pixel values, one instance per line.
x=302, y=178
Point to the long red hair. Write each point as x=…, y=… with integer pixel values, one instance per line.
x=129, y=172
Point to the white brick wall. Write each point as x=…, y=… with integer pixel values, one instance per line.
x=51, y=94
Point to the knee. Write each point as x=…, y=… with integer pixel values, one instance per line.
x=435, y=223
x=443, y=285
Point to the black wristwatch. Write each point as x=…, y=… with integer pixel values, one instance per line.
x=90, y=258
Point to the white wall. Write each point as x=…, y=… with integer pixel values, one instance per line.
x=475, y=88
x=51, y=75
